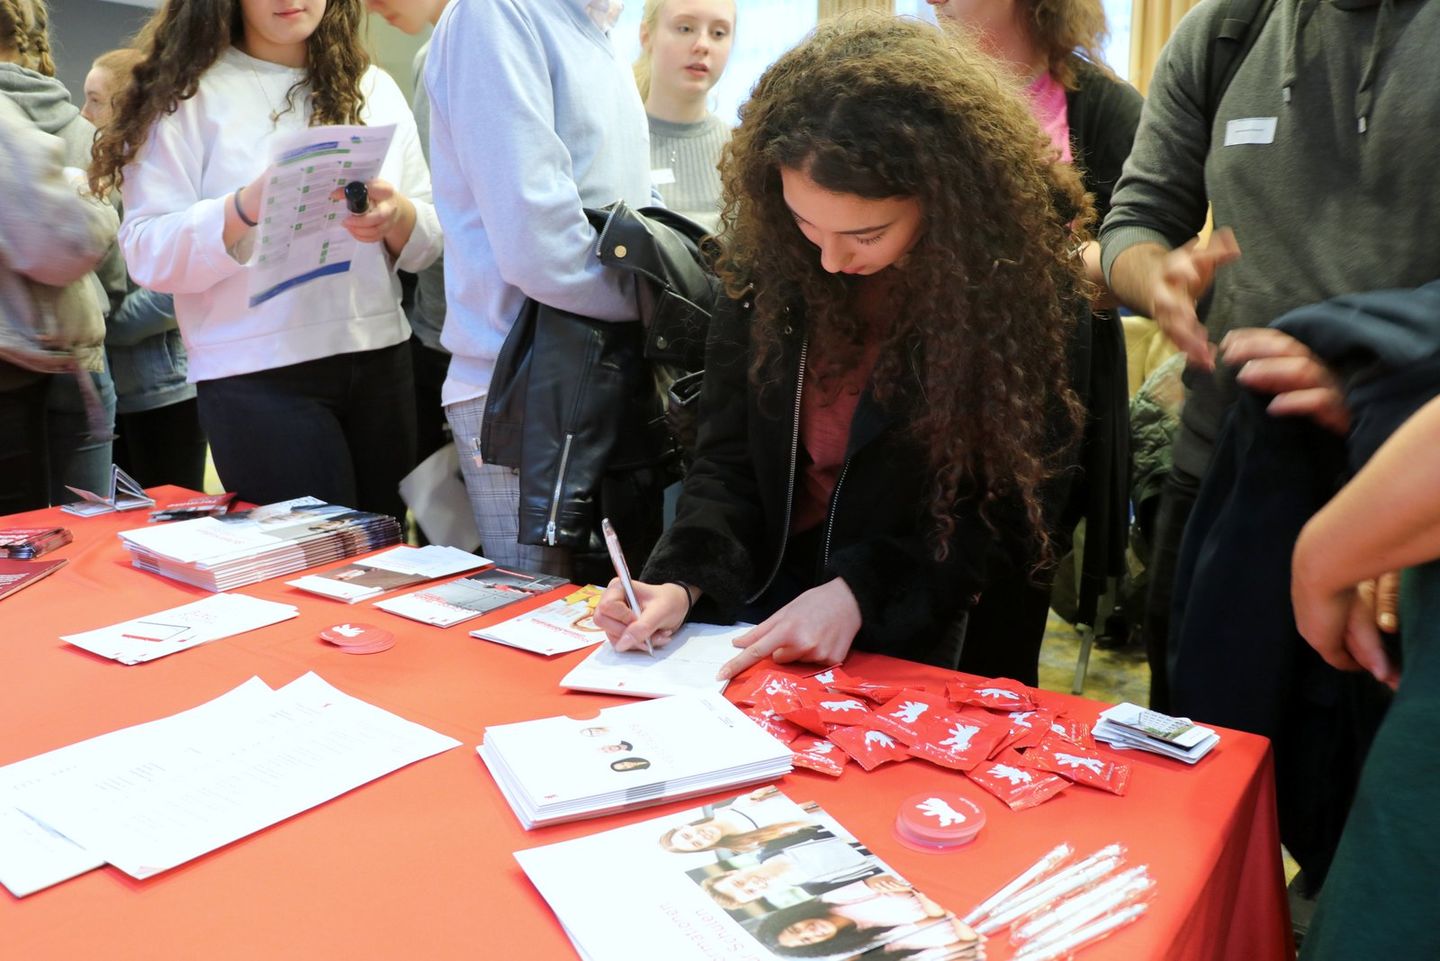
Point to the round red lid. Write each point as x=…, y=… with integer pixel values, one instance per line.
x=358, y=638
x=938, y=821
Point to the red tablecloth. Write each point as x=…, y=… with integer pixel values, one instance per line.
x=417, y=865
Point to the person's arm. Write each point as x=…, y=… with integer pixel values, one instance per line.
x=140, y=315
x=1354, y=538
x=49, y=232
x=500, y=163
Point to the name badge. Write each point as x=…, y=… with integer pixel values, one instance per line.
x=1250, y=130
x=662, y=176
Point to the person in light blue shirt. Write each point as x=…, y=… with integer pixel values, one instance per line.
x=534, y=117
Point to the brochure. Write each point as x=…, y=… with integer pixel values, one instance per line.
x=558, y=627
x=389, y=570
x=688, y=663
x=125, y=494
x=23, y=543
x=154, y=636
x=445, y=605
x=203, y=505
x=634, y=755
x=16, y=575
x=1132, y=726
x=752, y=878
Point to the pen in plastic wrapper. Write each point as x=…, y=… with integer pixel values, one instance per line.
x=1071, y=879
x=622, y=571
x=1124, y=888
x=1055, y=950
x=1041, y=867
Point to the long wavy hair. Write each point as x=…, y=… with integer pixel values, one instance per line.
x=984, y=301
x=1063, y=28
x=186, y=37
x=25, y=31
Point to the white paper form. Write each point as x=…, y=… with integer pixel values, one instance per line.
x=168, y=800
x=189, y=625
x=301, y=237
x=32, y=856
x=687, y=663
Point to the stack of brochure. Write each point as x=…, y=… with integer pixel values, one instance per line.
x=459, y=600
x=562, y=769
x=754, y=877
x=221, y=553
x=1131, y=726
x=23, y=543
x=390, y=570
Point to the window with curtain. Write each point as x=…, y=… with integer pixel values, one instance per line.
x=764, y=30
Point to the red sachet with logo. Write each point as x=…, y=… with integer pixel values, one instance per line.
x=1001, y=694
x=870, y=748
x=845, y=709
x=957, y=741
x=870, y=690
x=777, y=685
x=1079, y=764
x=1076, y=732
x=1027, y=729
x=900, y=716
x=779, y=728
x=818, y=754
x=1018, y=786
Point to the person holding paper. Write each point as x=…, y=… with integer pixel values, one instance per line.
x=886, y=394
x=310, y=391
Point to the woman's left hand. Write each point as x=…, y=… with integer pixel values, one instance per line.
x=819, y=625
x=389, y=213
x=1341, y=626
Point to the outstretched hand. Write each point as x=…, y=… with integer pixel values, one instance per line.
x=819, y=625
x=1184, y=275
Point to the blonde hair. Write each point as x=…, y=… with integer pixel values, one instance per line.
x=25, y=30
x=644, y=64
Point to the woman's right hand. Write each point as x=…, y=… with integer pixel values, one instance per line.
x=662, y=610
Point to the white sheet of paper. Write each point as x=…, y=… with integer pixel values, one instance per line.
x=169, y=799
x=435, y=493
x=687, y=663
x=32, y=856
x=155, y=635
x=300, y=234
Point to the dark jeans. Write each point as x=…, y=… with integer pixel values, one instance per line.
x=432, y=430
x=78, y=458
x=1176, y=502
x=162, y=446
x=24, y=479
x=339, y=428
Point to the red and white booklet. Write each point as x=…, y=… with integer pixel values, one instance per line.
x=17, y=575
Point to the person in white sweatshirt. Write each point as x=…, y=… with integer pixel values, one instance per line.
x=309, y=391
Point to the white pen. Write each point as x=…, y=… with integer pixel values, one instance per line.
x=1062, y=948
x=622, y=570
x=1071, y=879
x=1081, y=909
x=1043, y=866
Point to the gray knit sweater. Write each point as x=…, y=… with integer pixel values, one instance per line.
x=684, y=165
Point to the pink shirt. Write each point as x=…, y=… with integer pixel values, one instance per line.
x=1048, y=106
x=825, y=416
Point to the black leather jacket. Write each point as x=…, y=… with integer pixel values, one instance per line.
x=577, y=404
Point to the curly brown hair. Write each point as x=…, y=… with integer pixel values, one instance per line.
x=983, y=303
x=186, y=37
x=1061, y=29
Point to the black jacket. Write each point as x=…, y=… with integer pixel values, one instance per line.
x=733, y=516
x=576, y=404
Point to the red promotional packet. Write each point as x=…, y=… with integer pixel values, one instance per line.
x=779, y=728
x=1027, y=729
x=844, y=709
x=818, y=754
x=901, y=715
x=1001, y=694
x=1018, y=786
x=870, y=748
x=1079, y=764
x=957, y=741
x=782, y=689
x=1076, y=732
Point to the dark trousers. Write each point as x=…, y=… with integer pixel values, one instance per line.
x=339, y=428
x=24, y=454
x=162, y=446
x=1177, y=499
x=432, y=430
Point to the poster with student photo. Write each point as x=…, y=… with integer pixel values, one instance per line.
x=660, y=898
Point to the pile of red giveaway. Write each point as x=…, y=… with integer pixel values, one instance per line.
x=992, y=730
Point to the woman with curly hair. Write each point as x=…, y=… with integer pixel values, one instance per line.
x=309, y=392
x=886, y=392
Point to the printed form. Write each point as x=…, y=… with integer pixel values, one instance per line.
x=301, y=238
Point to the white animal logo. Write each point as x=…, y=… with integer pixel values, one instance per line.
x=938, y=809
x=850, y=705
x=1094, y=764
x=820, y=747
x=1014, y=775
x=345, y=630
x=998, y=692
x=1022, y=718
x=875, y=737
x=910, y=711
x=826, y=677
x=776, y=687
x=1059, y=729
x=959, y=739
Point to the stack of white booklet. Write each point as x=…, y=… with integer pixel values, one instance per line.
x=752, y=878
x=232, y=550
x=1131, y=726
x=153, y=796
x=390, y=570
x=635, y=755
x=688, y=663
x=153, y=636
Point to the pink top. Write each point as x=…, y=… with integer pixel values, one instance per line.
x=825, y=416
x=1048, y=105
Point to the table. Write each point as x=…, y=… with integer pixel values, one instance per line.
x=417, y=865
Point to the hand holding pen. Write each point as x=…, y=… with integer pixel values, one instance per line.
x=634, y=614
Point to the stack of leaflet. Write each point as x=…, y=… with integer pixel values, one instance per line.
x=222, y=553
x=1131, y=726
x=562, y=769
